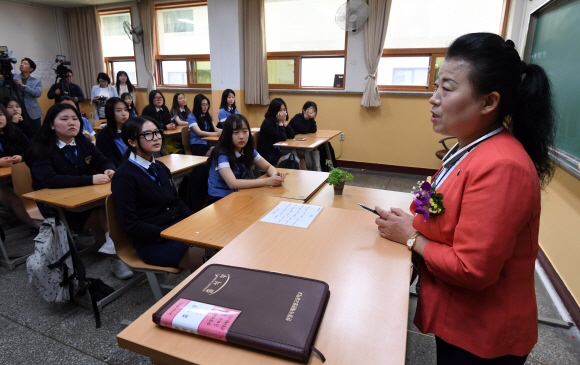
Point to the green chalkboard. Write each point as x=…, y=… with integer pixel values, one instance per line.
x=556, y=47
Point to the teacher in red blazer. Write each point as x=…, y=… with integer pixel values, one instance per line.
x=475, y=229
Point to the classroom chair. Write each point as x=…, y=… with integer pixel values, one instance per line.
x=441, y=153
x=98, y=122
x=185, y=140
x=22, y=184
x=128, y=255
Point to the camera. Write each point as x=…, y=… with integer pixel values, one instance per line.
x=61, y=69
x=102, y=100
x=6, y=65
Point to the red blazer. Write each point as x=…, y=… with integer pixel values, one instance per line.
x=477, y=290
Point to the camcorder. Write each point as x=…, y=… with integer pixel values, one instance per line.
x=102, y=100
x=61, y=69
x=6, y=65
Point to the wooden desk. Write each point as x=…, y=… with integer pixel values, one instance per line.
x=366, y=318
x=353, y=194
x=214, y=139
x=5, y=175
x=321, y=133
x=309, y=144
x=299, y=185
x=86, y=197
x=181, y=165
x=217, y=225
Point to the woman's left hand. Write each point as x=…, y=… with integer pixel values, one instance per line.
x=110, y=173
x=394, y=224
x=170, y=126
x=16, y=159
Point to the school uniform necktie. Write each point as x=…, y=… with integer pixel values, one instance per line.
x=160, y=114
x=71, y=153
x=154, y=171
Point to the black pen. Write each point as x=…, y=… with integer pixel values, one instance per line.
x=369, y=209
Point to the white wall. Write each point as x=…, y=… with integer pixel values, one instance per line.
x=36, y=32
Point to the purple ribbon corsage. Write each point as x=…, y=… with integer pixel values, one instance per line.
x=428, y=202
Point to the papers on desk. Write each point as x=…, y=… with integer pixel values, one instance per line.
x=292, y=214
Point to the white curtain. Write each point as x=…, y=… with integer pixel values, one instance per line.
x=83, y=27
x=255, y=55
x=375, y=34
x=146, y=9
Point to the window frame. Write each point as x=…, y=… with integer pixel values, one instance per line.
x=298, y=56
x=109, y=60
x=433, y=53
x=187, y=58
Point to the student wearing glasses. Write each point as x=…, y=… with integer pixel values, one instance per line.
x=146, y=199
x=157, y=110
x=101, y=93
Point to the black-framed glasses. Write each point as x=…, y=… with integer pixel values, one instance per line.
x=151, y=135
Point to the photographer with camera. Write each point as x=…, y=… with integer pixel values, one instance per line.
x=65, y=87
x=101, y=93
x=27, y=89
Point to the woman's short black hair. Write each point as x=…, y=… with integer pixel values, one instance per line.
x=197, y=110
x=131, y=130
x=111, y=127
x=525, y=105
x=103, y=76
x=232, y=123
x=274, y=108
x=309, y=104
x=43, y=143
x=152, y=94
x=224, y=103
x=8, y=99
x=13, y=144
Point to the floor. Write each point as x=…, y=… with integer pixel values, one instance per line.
x=36, y=332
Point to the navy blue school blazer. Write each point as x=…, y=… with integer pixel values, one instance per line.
x=106, y=144
x=57, y=172
x=144, y=208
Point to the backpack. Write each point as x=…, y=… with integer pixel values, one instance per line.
x=56, y=270
x=290, y=163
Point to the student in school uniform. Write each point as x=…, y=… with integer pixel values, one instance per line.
x=227, y=106
x=157, y=110
x=233, y=157
x=179, y=110
x=124, y=85
x=100, y=93
x=127, y=98
x=274, y=129
x=146, y=199
x=13, y=144
x=60, y=157
x=109, y=140
x=87, y=130
x=201, y=125
x=304, y=123
x=17, y=117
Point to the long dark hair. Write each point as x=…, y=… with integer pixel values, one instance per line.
x=197, y=111
x=224, y=103
x=111, y=127
x=232, y=123
x=525, y=105
x=130, y=87
x=175, y=105
x=309, y=104
x=132, y=108
x=274, y=108
x=43, y=144
x=166, y=117
x=13, y=142
x=132, y=128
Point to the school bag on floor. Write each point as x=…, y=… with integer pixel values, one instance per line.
x=56, y=270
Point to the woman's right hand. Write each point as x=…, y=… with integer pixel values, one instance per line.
x=100, y=179
x=275, y=180
x=281, y=117
x=6, y=162
x=17, y=118
x=219, y=132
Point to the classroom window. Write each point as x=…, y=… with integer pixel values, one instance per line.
x=308, y=51
x=118, y=49
x=183, y=45
x=418, y=35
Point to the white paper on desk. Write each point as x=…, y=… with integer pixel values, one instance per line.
x=292, y=214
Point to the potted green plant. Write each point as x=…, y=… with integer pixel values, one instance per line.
x=337, y=178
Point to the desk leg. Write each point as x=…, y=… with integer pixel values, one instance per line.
x=328, y=155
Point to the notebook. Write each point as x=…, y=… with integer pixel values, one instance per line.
x=263, y=310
